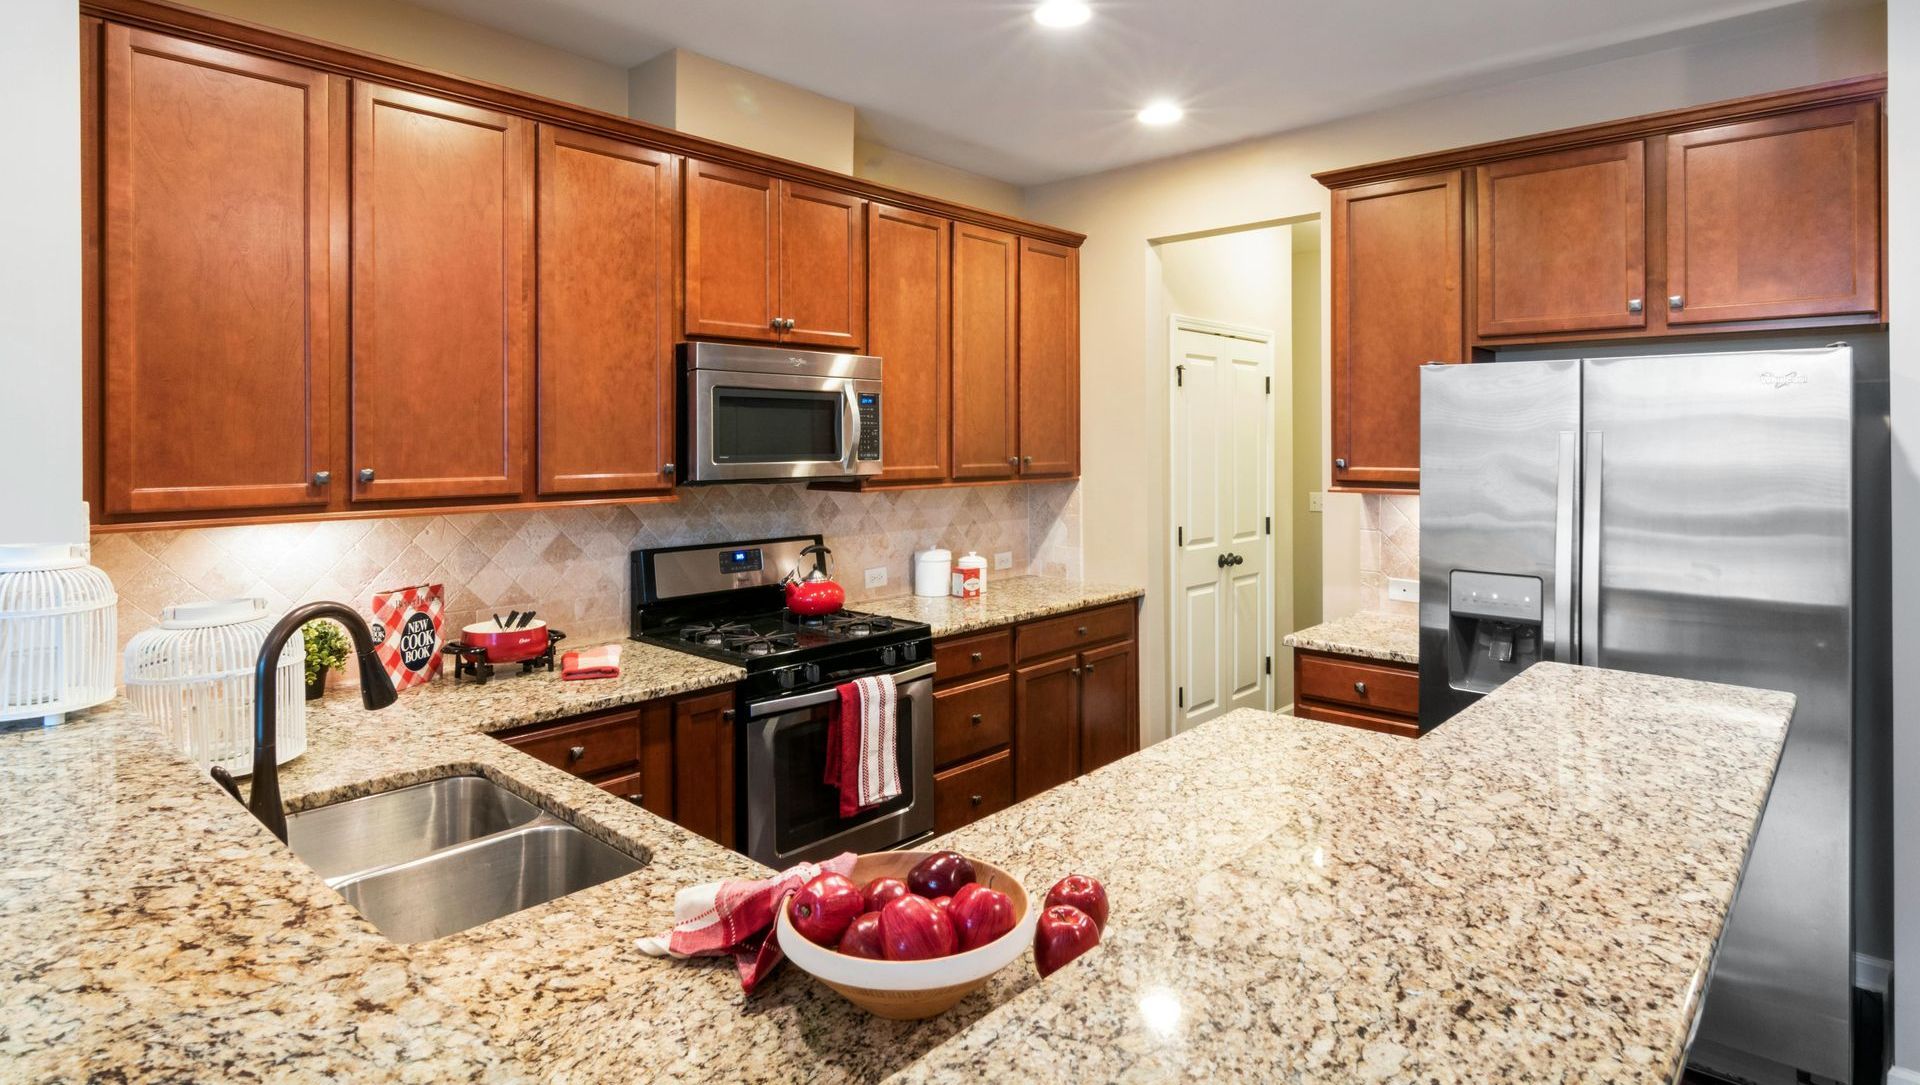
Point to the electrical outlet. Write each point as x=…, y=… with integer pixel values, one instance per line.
x=877, y=577
x=1003, y=559
x=1402, y=590
x=1316, y=501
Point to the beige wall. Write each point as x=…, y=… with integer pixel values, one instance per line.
x=1268, y=179
x=1307, y=535
x=701, y=96
x=883, y=165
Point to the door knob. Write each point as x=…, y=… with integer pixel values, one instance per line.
x=1360, y=688
x=1239, y=559
x=1221, y=561
x=576, y=753
x=366, y=474
x=321, y=478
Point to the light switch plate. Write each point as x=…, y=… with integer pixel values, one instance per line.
x=1003, y=559
x=1401, y=590
x=1316, y=501
x=877, y=577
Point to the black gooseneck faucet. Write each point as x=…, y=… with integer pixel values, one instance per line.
x=376, y=692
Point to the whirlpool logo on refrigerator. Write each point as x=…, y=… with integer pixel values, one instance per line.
x=1782, y=380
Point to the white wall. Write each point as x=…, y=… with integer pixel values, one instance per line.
x=732, y=105
x=40, y=275
x=1269, y=179
x=1903, y=244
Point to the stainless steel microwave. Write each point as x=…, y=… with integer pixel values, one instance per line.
x=768, y=414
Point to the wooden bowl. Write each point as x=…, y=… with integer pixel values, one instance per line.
x=912, y=990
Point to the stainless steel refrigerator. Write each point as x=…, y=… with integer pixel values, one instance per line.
x=1686, y=515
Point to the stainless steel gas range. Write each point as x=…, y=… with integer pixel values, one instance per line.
x=724, y=601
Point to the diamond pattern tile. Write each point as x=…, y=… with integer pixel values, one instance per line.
x=1389, y=541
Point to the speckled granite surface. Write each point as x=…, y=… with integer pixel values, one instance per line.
x=1528, y=892
x=1015, y=599
x=1392, y=635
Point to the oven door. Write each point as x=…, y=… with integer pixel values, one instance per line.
x=793, y=816
x=773, y=426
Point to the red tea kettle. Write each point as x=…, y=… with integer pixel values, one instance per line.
x=814, y=594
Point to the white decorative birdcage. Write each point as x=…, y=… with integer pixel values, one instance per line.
x=193, y=675
x=56, y=632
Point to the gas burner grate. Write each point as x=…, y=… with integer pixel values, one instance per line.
x=715, y=634
x=761, y=644
x=860, y=625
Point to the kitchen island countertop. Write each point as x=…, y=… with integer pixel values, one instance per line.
x=1531, y=891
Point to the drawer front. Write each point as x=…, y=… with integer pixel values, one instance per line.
x=972, y=719
x=959, y=658
x=625, y=785
x=966, y=794
x=1051, y=636
x=1366, y=721
x=585, y=747
x=1361, y=685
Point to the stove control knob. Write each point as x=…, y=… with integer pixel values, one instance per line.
x=888, y=656
x=812, y=672
x=912, y=652
x=786, y=676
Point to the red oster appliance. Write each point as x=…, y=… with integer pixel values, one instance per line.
x=814, y=594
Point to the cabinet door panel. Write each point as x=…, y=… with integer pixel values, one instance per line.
x=1046, y=725
x=1049, y=360
x=1777, y=217
x=907, y=326
x=442, y=228
x=222, y=319
x=986, y=297
x=703, y=795
x=1562, y=241
x=1397, y=254
x=966, y=793
x=823, y=267
x=732, y=219
x=1108, y=692
x=605, y=365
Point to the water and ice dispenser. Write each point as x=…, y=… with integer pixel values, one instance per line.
x=1493, y=628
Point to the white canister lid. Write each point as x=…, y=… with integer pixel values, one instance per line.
x=935, y=556
x=972, y=560
x=212, y=613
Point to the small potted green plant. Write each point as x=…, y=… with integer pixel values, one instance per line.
x=326, y=647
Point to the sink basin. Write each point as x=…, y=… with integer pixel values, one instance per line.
x=476, y=883
x=392, y=827
x=434, y=859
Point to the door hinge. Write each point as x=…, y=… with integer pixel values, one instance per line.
x=1183, y=696
x=1269, y=664
x=1179, y=376
x=1269, y=385
x=1269, y=525
x=1179, y=536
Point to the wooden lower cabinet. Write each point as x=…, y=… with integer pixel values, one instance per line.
x=1369, y=693
x=1109, y=697
x=672, y=757
x=1046, y=698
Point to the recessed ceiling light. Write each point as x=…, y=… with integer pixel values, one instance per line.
x=1062, y=13
x=1161, y=113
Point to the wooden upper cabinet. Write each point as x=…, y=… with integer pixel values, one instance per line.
x=1561, y=242
x=986, y=299
x=442, y=232
x=763, y=252
x=1397, y=255
x=823, y=267
x=1049, y=371
x=605, y=362
x=1777, y=217
x=732, y=288
x=907, y=268
x=223, y=315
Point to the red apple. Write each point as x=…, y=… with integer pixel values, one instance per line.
x=980, y=915
x=825, y=907
x=1064, y=932
x=945, y=904
x=913, y=929
x=1083, y=893
x=940, y=874
x=863, y=938
x=882, y=891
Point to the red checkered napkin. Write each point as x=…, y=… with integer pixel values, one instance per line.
x=735, y=918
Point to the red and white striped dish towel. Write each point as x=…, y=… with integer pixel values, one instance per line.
x=863, y=744
x=735, y=917
x=601, y=662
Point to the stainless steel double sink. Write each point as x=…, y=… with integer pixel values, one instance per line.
x=430, y=860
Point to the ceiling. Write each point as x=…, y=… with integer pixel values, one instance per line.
x=977, y=84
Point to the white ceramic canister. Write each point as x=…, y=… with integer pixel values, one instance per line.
x=970, y=576
x=933, y=572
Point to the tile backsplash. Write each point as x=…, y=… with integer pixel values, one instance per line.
x=1389, y=542
x=570, y=564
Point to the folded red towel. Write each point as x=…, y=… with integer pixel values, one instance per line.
x=735, y=917
x=601, y=662
x=863, y=743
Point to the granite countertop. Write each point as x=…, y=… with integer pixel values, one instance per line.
x=1535, y=886
x=1391, y=634
x=1013, y=599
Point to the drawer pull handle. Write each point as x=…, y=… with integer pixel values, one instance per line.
x=976, y=799
x=975, y=656
x=1360, y=688
x=576, y=753
x=977, y=717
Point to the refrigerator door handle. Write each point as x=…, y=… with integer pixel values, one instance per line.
x=1595, y=473
x=1563, y=538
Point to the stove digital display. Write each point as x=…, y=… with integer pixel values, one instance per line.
x=740, y=561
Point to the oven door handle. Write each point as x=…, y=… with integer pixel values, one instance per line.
x=819, y=697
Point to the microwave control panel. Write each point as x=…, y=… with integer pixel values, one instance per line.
x=869, y=426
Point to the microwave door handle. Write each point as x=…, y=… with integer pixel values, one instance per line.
x=849, y=426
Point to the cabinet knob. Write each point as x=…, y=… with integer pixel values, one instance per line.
x=667, y=469
x=1341, y=464
x=1080, y=632
x=321, y=478
x=1013, y=461
x=789, y=324
x=776, y=324
x=1089, y=668
x=1675, y=301
x=727, y=714
x=575, y=753
x=1074, y=670
x=1026, y=461
x=366, y=474
x=1360, y=688
x=637, y=798
x=1633, y=305
x=975, y=656
x=976, y=799
x=976, y=718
